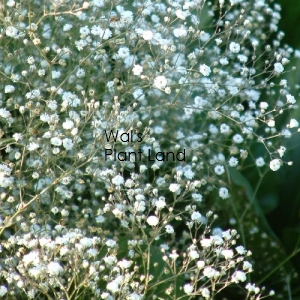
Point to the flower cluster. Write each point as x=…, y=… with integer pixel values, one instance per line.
x=118, y=120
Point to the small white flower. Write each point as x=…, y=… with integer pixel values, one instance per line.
x=193, y=254
x=234, y=47
x=169, y=229
x=233, y=161
x=240, y=250
x=67, y=27
x=205, y=70
x=260, y=162
x=238, y=276
x=68, y=143
x=56, y=141
x=278, y=68
x=11, y=31
x=160, y=82
x=3, y=290
x=281, y=151
x=200, y=264
x=290, y=99
x=118, y=180
x=137, y=70
x=123, y=52
x=293, y=123
x=32, y=146
x=4, y=113
x=237, y=138
x=196, y=216
x=271, y=123
x=147, y=35
x=219, y=170
x=68, y=124
x=209, y=272
x=247, y=266
x=174, y=187
x=206, y=243
x=275, y=164
x=227, y=253
x=223, y=193
x=188, y=289
x=152, y=220
x=9, y=89
x=113, y=286
x=54, y=268
x=180, y=32
x=205, y=293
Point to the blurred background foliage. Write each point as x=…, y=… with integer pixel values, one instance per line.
x=278, y=193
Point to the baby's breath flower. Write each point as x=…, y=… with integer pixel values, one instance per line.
x=152, y=220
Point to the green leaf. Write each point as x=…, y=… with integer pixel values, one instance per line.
x=240, y=180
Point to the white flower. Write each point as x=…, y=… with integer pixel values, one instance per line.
x=68, y=144
x=56, y=141
x=278, y=68
x=237, y=138
x=275, y=164
x=160, y=82
x=4, y=113
x=182, y=14
x=233, y=161
x=240, y=250
x=290, y=99
x=223, y=193
x=205, y=293
x=124, y=264
x=160, y=203
x=238, y=276
x=260, y=162
x=281, y=151
x=123, y=52
x=55, y=74
x=193, y=254
x=247, y=266
x=86, y=242
x=3, y=290
x=180, y=32
x=32, y=146
x=68, y=124
x=271, y=123
x=196, y=216
x=152, y=220
x=11, y=31
x=67, y=27
x=118, y=180
x=219, y=170
x=147, y=35
x=293, y=123
x=227, y=253
x=188, y=289
x=80, y=73
x=200, y=264
x=113, y=286
x=205, y=70
x=169, y=229
x=174, y=187
x=9, y=89
x=17, y=136
x=54, y=268
x=234, y=47
x=137, y=70
x=206, y=243
x=209, y=272
x=110, y=243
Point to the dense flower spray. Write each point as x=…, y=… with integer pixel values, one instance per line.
x=118, y=120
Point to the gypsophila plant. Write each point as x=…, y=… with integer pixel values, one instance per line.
x=122, y=125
